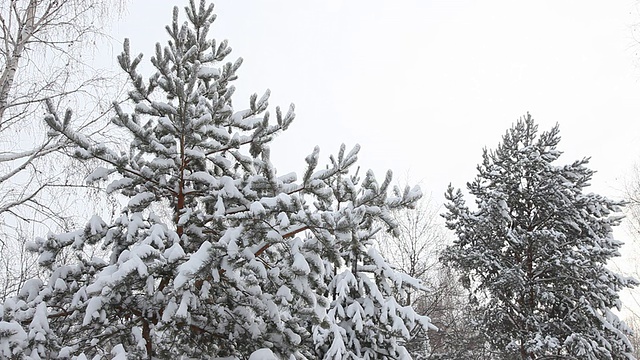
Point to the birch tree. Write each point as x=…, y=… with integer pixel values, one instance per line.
x=43, y=47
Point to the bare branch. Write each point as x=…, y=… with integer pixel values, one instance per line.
x=42, y=43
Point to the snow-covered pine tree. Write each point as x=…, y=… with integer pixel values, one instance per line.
x=249, y=263
x=534, y=251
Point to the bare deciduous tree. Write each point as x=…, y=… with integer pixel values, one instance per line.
x=633, y=321
x=416, y=251
x=43, y=47
x=421, y=237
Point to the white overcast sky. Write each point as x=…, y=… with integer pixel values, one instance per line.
x=424, y=85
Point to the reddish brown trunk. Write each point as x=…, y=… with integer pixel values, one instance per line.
x=146, y=334
x=179, y=207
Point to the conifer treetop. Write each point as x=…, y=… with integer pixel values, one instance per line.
x=533, y=253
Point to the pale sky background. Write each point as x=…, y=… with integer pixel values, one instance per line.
x=423, y=85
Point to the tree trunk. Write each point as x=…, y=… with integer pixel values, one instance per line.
x=11, y=67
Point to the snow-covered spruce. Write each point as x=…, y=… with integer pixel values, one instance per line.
x=534, y=252
x=249, y=265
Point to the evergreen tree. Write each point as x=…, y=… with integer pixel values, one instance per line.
x=533, y=252
x=249, y=264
